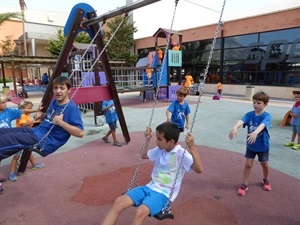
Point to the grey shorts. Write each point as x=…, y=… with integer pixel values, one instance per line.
x=113, y=125
x=262, y=156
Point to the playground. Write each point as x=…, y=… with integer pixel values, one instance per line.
x=81, y=181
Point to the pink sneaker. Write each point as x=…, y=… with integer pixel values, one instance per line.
x=266, y=185
x=242, y=190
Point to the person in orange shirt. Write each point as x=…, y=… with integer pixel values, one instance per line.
x=160, y=55
x=176, y=47
x=219, y=88
x=149, y=71
x=189, y=81
x=25, y=120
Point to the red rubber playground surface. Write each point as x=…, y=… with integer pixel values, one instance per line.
x=79, y=186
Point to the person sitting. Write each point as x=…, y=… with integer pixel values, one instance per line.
x=150, y=199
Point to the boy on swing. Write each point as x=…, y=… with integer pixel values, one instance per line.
x=62, y=119
x=167, y=156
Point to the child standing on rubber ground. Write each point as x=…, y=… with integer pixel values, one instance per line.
x=295, y=122
x=179, y=111
x=25, y=120
x=258, y=123
x=7, y=115
x=111, y=118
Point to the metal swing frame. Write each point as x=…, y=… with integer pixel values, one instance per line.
x=77, y=23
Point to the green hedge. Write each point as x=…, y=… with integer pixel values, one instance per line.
x=8, y=80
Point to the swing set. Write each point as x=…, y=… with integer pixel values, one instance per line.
x=83, y=18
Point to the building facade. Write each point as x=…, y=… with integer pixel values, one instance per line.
x=263, y=50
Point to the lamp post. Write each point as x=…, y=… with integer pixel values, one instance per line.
x=18, y=43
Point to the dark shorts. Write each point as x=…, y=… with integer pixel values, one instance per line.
x=296, y=129
x=262, y=156
x=113, y=125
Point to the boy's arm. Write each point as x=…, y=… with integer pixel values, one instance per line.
x=168, y=114
x=73, y=130
x=197, y=163
x=233, y=132
x=187, y=124
x=252, y=136
x=148, y=136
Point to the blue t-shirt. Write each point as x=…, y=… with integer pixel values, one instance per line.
x=296, y=121
x=262, y=143
x=179, y=112
x=58, y=136
x=8, y=115
x=110, y=114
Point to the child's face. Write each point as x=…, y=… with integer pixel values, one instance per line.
x=297, y=97
x=180, y=98
x=3, y=105
x=28, y=107
x=162, y=143
x=61, y=92
x=258, y=106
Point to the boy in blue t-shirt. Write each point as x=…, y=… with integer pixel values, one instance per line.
x=295, y=122
x=111, y=118
x=258, y=123
x=62, y=120
x=180, y=111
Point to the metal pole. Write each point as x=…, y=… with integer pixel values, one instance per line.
x=122, y=10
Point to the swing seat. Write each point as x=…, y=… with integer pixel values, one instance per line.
x=164, y=215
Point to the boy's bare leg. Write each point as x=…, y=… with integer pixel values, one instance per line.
x=13, y=163
x=265, y=167
x=114, y=136
x=121, y=203
x=108, y=133
x=298, y=135
x=247, y=169
x=31, y=159
x=141, y=214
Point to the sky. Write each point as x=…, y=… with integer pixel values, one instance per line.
x=188, y=14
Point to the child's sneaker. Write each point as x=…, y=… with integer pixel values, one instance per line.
x=296, y=147
x=117, y=144
x=1, y=190
x=38, y=166
x=12, y=177
x=266, y=185
x=289, y=144
x=242, y=190
x=105, y=139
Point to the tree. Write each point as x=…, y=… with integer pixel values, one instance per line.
x=9, y=16
x=55, y=45
x=8, y=45
x=120, y=46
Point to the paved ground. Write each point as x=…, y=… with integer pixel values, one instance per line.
x=81, y=181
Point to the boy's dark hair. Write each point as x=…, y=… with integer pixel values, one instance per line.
x=182, y=91
x=61, y=80
x=296, y=92
x=261, y=96
x=170, y=131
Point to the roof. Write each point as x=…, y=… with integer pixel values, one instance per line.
x=163, y=32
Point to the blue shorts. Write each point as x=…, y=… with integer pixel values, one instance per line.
x=296, y=129
x=153, y=200
x=262, y=156
x=113, y=125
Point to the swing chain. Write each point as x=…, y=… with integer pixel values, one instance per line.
x=135, y=177
x=200, y=86
x=44, y=139
x=167, y=206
